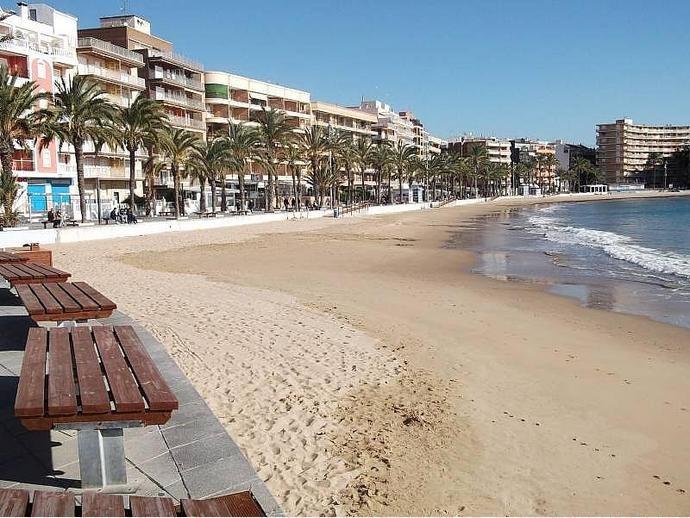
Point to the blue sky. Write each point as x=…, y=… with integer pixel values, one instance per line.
x=535, y=68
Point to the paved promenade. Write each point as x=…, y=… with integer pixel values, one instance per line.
x=191, y=456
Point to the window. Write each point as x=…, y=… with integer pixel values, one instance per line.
x=45, y=157
x=32, y=14
x=41, y=69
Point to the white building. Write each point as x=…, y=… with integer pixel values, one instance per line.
x=42, y=49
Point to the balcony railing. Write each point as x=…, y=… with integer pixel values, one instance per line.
x=22, y=164
x=114, y=75
x=101, y=171
x=186, y=122
x=179, y=59
x=111, y=49
x=181, y=80
x=177, y=99
x=17, y=44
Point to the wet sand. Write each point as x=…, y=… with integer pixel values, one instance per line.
x=364, y=371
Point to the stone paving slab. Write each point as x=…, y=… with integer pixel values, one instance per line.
x=192, y=456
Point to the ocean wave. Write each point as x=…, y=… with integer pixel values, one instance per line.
x=615, y=245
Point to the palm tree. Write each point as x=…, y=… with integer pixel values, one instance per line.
x=137, y=126
x=654, y=159
x=80, y=113
x=19, y=122
x=380, y=160
x=179, y=147
x=293, y=156
x=401, y=158
x=209, y=163
x=477, y=159
x=315, y=143
x=347, y=156
x=242, y=144
x=363, y=152
x=273, y=132
x=152, y=168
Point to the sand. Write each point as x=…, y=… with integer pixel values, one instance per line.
x=363, y=370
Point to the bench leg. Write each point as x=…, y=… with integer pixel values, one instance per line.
x=102, y=458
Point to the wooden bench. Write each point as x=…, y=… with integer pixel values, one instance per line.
x=206, y=214
x=28, y=273
x=65, y=301
x=9, y=257
x=97, y=380
x=17, y=502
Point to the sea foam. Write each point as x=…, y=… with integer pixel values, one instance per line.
x=615, y=245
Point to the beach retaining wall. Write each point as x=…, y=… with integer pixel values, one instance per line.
x=14, y=238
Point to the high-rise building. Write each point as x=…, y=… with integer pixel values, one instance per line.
x=232, y=98
x=624, y=148
x=115, y=70
x=352, y=121
x=567, y=154
x=497, y=150
x=42, y=48
x=390, y=125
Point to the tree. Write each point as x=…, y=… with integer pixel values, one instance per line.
x=380, y=160
x=242, y=145
x=401, y=158
x=293, y=156
x=152, y=168
x=179, y=146
x=339, y=159
x=273, y=132
x=363, y=153
x=135, y=127
x=654, y=160
x=477, y=160
x=19, y=122
x=80, y=113
x=315, y=143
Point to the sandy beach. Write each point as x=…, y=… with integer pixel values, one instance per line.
x=364, y=370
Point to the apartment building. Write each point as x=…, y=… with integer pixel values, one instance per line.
x=352, y=121
x=232, y=98
x=567, y=154
x=437, y=145
x=390, y=125
x=497, y=150
x=169, y=77
x=624, y=148
x=116, y=71
x=42, y=49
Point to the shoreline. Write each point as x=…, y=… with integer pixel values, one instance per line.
x=479, y=393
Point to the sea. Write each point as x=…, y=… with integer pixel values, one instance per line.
x=630, y=256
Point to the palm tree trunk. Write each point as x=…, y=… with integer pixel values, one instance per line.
x=389, y=189
x=294, y=183
x=79, y=157
x=223, y=195
x=363, y=185
x=269, y=187
x=149, y=196
x=240, y=185
x=132, y=179
x=212, y=181
x=176, y=188
x=299, y=188
x=7, y=179
x=202, y=195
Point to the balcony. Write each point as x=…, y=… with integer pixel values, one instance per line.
x=23, y=46
x=177, y=79
x=104, y=172
x=177, y=59
x=22, y=164
x=117, y=76
x=103, y=47
x=179, y=100
x=185, y=122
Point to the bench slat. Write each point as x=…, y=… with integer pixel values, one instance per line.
x=94, y=395
x=15, y=273
x=48, y=271
x=7, y=274
x=151, y=506
x=101, y=504
x=62, y=399
x=30, y=401
x=210, y=507
x=29, y=299
x=68, y=303
x=241, y=504
x=13, y=502
x=46, y=298
x=29, y=271
x=86, y=302
x=48, y=503
x=156, y=390
x=103, y=301
x=9, y=257
x=122, y=384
